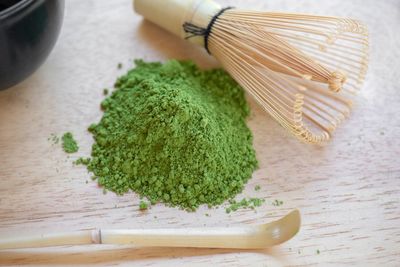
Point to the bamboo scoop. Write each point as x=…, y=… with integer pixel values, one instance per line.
x=244, y=237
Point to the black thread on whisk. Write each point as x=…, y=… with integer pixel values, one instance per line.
x=200, y=31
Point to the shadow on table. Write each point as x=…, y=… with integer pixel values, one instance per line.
x=70, y=257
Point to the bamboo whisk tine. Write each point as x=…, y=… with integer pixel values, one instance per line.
x=302, y=69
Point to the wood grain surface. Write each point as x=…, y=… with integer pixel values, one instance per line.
x=347, y=191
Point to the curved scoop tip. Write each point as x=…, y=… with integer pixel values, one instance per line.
x=291, y=223
x=283, y=229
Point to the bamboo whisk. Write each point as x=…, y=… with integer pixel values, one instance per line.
x=302, y=69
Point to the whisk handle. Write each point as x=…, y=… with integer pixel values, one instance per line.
x=173, y=14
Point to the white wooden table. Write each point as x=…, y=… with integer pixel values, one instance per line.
x=347, y=191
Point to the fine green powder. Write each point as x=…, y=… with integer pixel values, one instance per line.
x=143, y=205
x=175, y=134
x=251, y=203
x=69, y=144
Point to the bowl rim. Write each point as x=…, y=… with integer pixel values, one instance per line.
x=14, y=8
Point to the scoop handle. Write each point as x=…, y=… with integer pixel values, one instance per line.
x=172, y=14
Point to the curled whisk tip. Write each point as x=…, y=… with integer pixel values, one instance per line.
x=336, y=81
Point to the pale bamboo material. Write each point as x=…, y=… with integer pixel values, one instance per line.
x=245, y=237
x=294, y=65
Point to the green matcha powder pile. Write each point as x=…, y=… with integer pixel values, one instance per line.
x=175, y=134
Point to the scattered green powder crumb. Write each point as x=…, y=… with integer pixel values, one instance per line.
x=277, y=203
x=143, y=205
x=105, y=91
x=175, y=134
x=318, y=251
x=257, y=188
x=251, y=203
x=119, y=66
x=69, y=144
x=54, y=139
x=208, y=215
x=82, y=161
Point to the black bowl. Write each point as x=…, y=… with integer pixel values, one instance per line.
x=28, y=32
